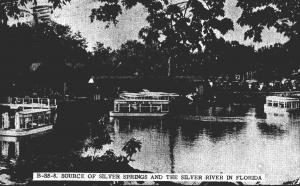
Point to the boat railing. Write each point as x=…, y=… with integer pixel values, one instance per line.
x=32, y=101
x=27, y=119
x=168, y=98
x=147, y=95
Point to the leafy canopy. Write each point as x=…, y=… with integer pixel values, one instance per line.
x=173, y=24
x=284, y=15
x=13, y=8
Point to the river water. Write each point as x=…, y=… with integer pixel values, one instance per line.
x=174, y=146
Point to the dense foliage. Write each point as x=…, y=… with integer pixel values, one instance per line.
x=284, y=16
x=178, y=28
x=280, y=14
x=136, y=58
x=48, y=53
x=182, y=38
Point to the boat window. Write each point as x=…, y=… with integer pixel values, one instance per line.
x=288, y=105
x=156, y=108
x=22, y=122
x=123, y=107
x=165, y=108
x=281, y=104
x=145, y=108
x=2, y=122
x=116, y=109
x=293, y=104
x=134, y=108
x=11, y=149
x=269, y=103
x=275, y=104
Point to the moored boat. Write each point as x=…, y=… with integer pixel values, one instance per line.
x=281, y=104
x=281, y=110
x=27, y=118
x=143, y=104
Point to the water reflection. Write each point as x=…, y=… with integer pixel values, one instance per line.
x=253, y=147
x=10, y=147
x=168, y=145
x=278, y=123
x=282, y=117
x=217, y=110
x=216, y=131
x=271, y=130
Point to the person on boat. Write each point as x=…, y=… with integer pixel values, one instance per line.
x=101, y=120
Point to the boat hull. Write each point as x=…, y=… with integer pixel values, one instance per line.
x=12, y=132
x=284, y=111
x=119, y=114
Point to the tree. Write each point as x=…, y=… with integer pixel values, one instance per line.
x=33, y=55
x=131, y=147
x=282, y=15
x=130, y=58
x=136, y=58
x=274, y=62
x=13, y=8
x=99, y=136
x=58, y=50
x=178, y=28
x=101, y=61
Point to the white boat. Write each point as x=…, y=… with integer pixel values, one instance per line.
x=143, y=104
x=22, y=118
x=280, y=110
x=279, y=104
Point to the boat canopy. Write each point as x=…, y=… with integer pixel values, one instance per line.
x=280, y=98
x=282, y=102
x=148, y=95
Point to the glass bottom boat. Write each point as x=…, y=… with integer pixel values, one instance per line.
x=278, y=104
x=27, y=119
x=143, y=104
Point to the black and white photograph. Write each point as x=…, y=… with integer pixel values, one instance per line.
x=149, y=92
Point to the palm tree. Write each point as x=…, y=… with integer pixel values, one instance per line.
x=131, y=147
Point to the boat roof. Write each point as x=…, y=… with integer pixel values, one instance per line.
x=281, y=98
x=32, y=105
x=141, y=100
x=147, y=93
x=32, y=111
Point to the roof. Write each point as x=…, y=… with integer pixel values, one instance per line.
x=32, y=111
x=29, y=105
x=281, y=98
x=158, y=101
x=146, y=94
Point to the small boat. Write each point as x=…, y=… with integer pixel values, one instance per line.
x=27, y=116
x=143, y=104
x=280, y=104
x=280, y=110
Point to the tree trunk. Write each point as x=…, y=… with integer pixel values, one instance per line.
x=169, y=67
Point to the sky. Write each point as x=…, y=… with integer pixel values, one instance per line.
x=76, y=15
